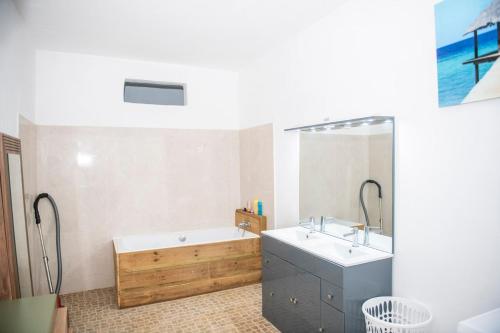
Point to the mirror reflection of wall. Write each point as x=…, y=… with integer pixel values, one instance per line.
x=19, y=222
x=334, y=163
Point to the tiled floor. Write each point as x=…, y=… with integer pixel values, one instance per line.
x=233, y=310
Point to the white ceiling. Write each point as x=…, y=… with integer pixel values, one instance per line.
x=218, y=33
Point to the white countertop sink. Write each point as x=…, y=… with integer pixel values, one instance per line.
x=327, y=247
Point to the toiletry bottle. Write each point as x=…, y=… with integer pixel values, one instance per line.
x=255, y=206
x=259, y=208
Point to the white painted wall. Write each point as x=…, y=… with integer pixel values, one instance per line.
x=378, y=58
x=17, y=69
x=84, y=90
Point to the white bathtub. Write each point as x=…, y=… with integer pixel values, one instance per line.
x=136, y=243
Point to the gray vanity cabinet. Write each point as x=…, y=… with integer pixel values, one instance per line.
x=304, y=293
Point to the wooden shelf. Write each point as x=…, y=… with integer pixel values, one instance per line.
x=257, y=222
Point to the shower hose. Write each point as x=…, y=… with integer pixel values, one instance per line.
x=38, y=221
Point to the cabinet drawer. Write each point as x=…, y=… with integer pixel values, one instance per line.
x=271, y=261
x=324, y=269
x=332, y=320
x=332, y=295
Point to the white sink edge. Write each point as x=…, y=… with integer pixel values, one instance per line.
x=380, y=255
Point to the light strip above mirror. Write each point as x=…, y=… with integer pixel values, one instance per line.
x=335, y=125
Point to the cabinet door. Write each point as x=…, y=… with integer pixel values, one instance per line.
x=277, y=286
x=278, y=276
x=306, y=302
x=291, y=297
x=332, y=320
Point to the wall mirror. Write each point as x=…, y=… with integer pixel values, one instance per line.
x=19, y=222
x=346, y=180
x=15, y=271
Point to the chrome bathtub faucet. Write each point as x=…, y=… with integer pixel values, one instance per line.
x=243, y=225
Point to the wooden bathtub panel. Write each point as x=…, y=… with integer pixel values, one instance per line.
x=172, y=275
x=139, y=296
x=159, y=275
x=185, y=255
x=187, y=273
x=239, y=266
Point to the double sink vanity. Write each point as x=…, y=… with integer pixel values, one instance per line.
x=315, y=277
x=313, y=282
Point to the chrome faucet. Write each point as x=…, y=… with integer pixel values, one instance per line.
x=243, y=225
x=312, y=225
x=322, y=223
x=355, y=238
x=366, y=240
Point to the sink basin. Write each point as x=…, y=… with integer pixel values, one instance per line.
x=348, y=251
x=306, y=235
x=341, y=252
x=327, y=247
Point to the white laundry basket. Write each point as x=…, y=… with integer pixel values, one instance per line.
x=395, y=315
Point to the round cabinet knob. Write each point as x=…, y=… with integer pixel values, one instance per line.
x=271, y=294
x=267, y=261
x=329, y=296
x=321, y=329
x=291, y=299
x=295, y=301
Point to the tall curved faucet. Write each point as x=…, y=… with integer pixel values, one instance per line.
x=367, y=219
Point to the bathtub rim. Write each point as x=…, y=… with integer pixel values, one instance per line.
x=118, y=250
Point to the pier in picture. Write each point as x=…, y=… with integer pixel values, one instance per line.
x=468, y=49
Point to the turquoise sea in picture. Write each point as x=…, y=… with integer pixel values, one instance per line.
x=455, y=79
x=456, y=21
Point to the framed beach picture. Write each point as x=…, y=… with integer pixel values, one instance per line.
x=468, y=45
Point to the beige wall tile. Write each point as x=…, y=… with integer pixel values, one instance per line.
x=257, y=168
x=118, y=181
x=381, y=171
x=332, y=168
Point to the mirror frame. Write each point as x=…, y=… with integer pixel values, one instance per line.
x=355, y=123
x=9, y=275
